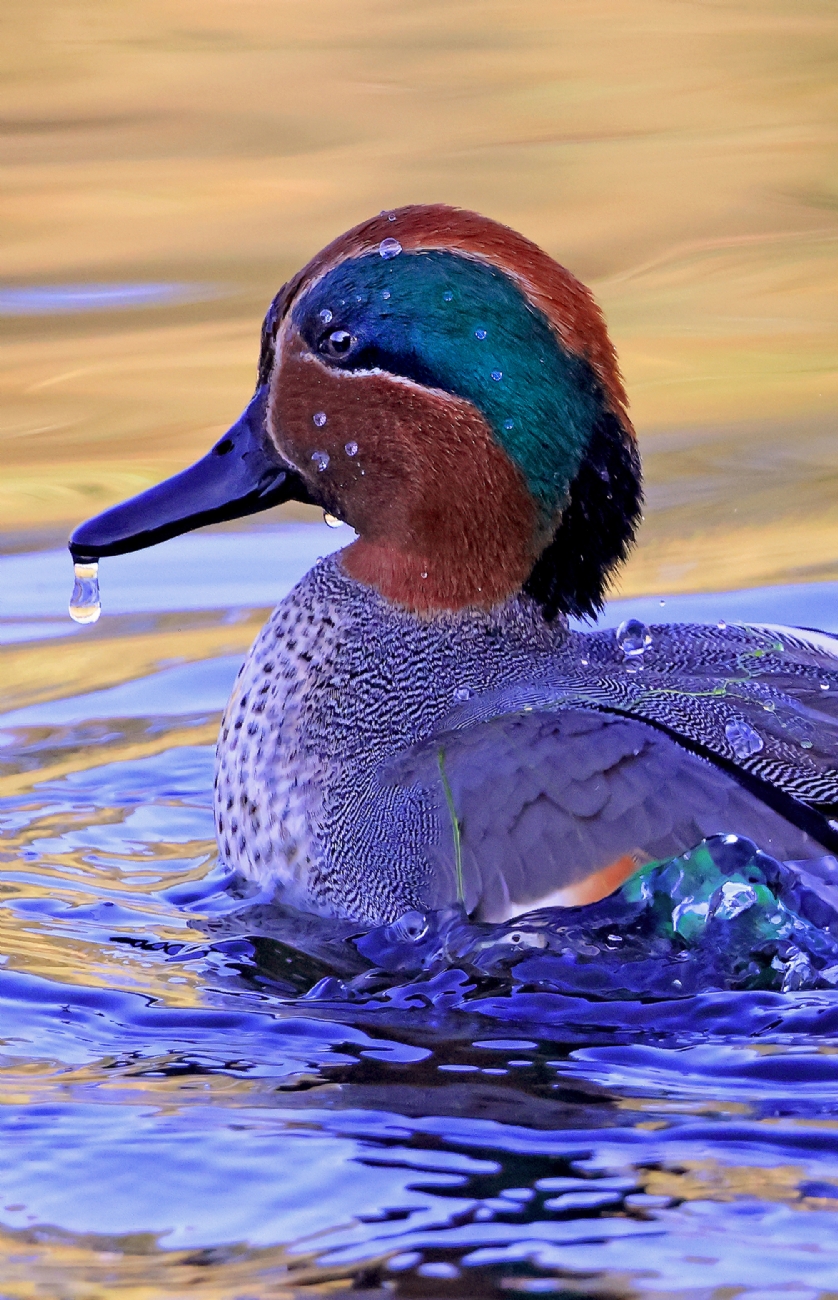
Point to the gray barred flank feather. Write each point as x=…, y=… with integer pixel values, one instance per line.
x=353, y=679
x=328, y=781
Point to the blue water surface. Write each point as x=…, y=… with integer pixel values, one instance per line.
x=201, y=1097
x=70, y=299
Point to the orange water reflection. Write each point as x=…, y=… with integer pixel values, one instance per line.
x=679, y=157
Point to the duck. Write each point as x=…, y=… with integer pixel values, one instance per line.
x=421, y=723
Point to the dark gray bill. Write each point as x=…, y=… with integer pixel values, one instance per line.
x=240, y=476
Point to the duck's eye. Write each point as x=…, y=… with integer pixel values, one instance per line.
x=337, y=344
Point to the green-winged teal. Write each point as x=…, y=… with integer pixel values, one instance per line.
x=416, y=722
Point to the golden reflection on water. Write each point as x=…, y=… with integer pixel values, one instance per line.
x=134, y=1267
x=79, y=868
x=679, y=157
x=113, y=652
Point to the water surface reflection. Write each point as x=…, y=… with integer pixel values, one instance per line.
x=180, y=1113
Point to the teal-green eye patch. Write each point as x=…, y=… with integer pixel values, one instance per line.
x=453, y=323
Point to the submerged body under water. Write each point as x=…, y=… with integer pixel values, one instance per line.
x=206, y=1094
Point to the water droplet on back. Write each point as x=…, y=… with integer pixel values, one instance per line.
x=351, y=449
x=409, y=928
x=448, y=295
x=85, y=604
x=325, y=315
x=385, y=293
x=509, y=424
x=319, y=418
x=389, y=248
x=462, y=693
x=321, y=460
x=744, y=741
x=480, y=334
x=497, y=375
x=721, y=625
x=633, y=638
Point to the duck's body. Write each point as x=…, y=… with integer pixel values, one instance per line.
x=352, y=715
x=416, y=725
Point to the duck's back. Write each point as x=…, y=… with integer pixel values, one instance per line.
x=372, y=760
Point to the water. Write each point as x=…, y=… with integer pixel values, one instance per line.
x=201, y=1095
x=85, y=603
x=743, y=739
x=181, y=1114
x=633, y=638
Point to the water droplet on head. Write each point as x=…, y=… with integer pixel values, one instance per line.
x=806, y=744
x=480, y=334
x=391, y=216
x=509, y=424
x=332, y=521
x=448, y=295
x=85, y=604
x=319, y=418
x=662, y=603
x=824, y=686
x=325, y=315
x=424, y=575
x=462, y=693
x=389, y=248
x=744, y=741
x=721, y=625
x=321, y=460
x=385, y=293
x=633, y=638
x=351, y=449
x=497, y=375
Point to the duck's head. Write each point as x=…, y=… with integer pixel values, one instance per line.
x=441, y=384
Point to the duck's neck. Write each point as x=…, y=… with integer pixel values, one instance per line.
x=445, y=539
x=487, y=570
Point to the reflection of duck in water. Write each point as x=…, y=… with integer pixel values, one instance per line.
x=415, y=721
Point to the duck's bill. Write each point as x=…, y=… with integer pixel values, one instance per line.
x=241, y=475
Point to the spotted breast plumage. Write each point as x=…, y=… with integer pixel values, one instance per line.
x=417, y=724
